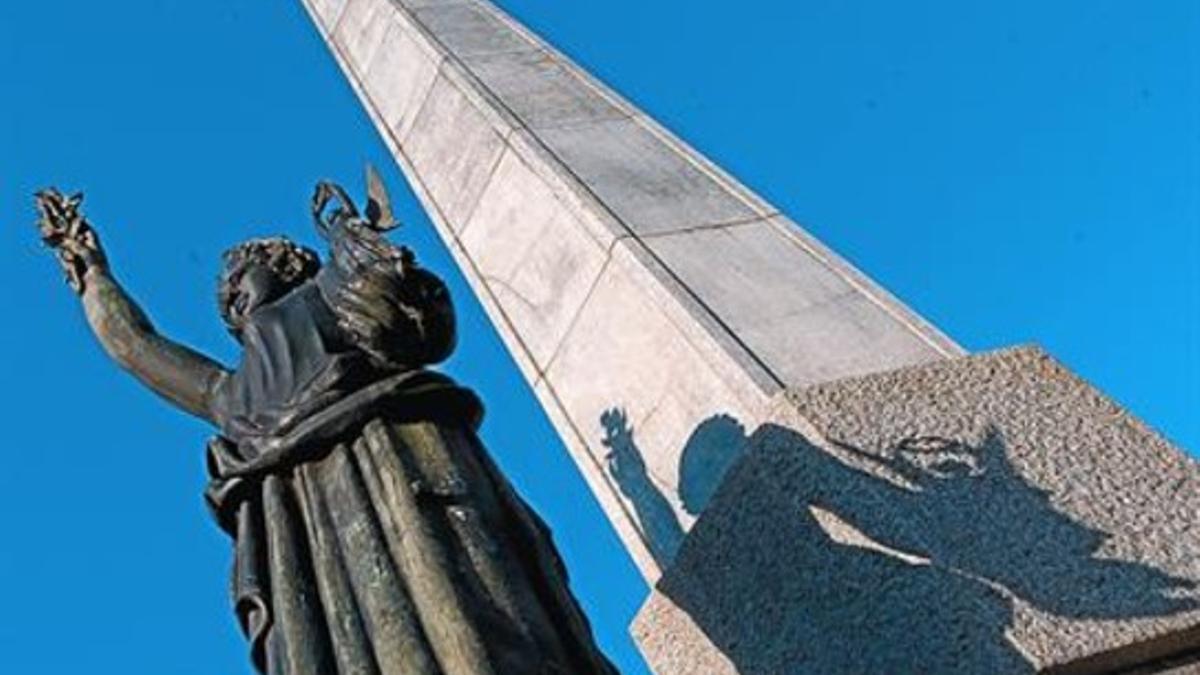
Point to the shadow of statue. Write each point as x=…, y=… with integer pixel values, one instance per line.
x=711, y=449
x=907, y=561
x=709, y=452
x=659, y=525
x=968, y=509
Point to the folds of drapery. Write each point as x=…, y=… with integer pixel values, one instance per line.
x=398, y=548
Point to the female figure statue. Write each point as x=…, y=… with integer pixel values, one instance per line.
x=373, y=534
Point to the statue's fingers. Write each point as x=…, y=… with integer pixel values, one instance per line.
x=363, y=310
x=353, y=297
x=389, y=286
x=89, y=239
x=373, y=308
x=47, y=222
x=67, y=257
x=351, y=311
x=75, y=248
x=376, y=286
x=49, y=234
x=358, y=323
x=364, y=332
x=53, y=210
x=373, y=287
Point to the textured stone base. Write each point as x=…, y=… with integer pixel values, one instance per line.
x=987, y=514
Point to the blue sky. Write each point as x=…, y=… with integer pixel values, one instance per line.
x=1018, y=171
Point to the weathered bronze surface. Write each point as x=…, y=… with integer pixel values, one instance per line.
x=373, y=534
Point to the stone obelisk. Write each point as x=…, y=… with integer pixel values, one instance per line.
x=705, y=360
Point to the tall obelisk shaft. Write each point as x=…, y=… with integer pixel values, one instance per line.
x=622, y=269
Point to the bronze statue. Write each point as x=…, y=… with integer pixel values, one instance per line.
x=373, y=534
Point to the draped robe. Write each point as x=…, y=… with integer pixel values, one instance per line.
x=373, y=534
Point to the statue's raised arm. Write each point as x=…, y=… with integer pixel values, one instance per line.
x=372, y=531
x=177, y=373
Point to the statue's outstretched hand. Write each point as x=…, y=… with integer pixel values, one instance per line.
x=64, y=229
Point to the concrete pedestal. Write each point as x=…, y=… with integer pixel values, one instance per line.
x=990, y=514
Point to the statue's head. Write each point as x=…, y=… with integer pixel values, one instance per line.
x=258, y=272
